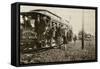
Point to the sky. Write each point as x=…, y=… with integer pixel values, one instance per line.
x=76, y=17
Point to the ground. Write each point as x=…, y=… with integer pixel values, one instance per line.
x=71, y=52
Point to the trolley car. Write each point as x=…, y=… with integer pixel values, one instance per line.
x=43, y=29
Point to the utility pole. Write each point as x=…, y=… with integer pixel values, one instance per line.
x=83, y=33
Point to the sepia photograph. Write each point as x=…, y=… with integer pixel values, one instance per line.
x=56, y=34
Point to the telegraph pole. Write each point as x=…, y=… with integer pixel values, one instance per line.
x=83, y=29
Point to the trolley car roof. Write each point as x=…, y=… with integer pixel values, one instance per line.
x=47, y=13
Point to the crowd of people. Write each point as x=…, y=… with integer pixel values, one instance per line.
x=52, y=32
